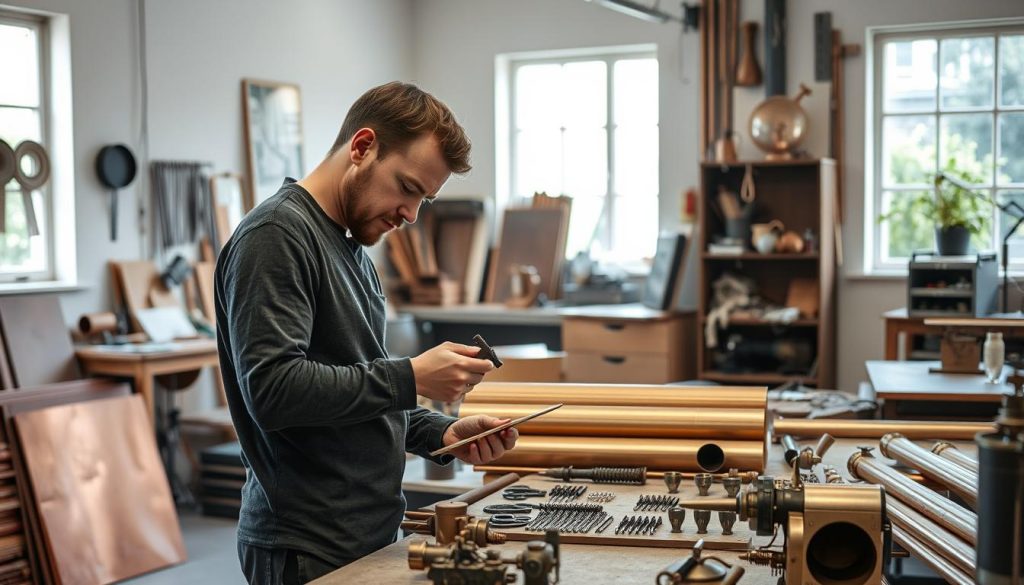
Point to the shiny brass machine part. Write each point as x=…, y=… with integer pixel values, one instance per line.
x=957, y=519
x=451, y=520
x=463, y=562
x=631, y=421
x=949, y=451
x=875, y=429
x=614, y=475
x=699, y=569
x=719, y=397
x=942, y=471
x=836, y=534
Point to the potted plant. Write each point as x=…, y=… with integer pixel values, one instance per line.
x=957, y=213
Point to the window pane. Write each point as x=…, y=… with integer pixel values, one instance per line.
x=636, y=161
x=908, y=149
x=584, y=94
x=909, y=82
x=967, y=69
x=906, y=231
x=635, y=227
x=19, y=66
x=965, y=146
x=19, y=252
x=586, y=162
x=17, y=124
x=1011, y=70
x=537, y=91
x=539, y=162
x=636, y=92
x=1011, y=148
x=586, y=212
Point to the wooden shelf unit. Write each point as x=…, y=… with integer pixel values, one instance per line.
x=802, y=195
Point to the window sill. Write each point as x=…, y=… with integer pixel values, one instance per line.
x=17, y=288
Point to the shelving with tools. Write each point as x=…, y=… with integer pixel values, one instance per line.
x=747, y=332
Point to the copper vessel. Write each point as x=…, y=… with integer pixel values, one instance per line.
x=721, y=397
x=778, y=125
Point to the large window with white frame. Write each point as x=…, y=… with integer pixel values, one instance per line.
x=949, y=100
x=587, y=127
x=24, y=116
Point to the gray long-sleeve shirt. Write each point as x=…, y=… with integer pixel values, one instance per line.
x=323, y=415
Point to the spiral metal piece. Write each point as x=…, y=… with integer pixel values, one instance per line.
x=767, y=558
x=615, y=475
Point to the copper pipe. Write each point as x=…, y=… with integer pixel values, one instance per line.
x=745, y=476
x=475, y=495
x=661, y=454
x=874, y=429
x=934, y=536
x=955, y=478
x=940, y=565
x=719, y=397
x=948, y=450
x=631, y=421
x=956, y=519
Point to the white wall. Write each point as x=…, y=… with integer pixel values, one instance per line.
x=457, y=41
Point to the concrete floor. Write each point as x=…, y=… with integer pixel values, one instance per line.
x=212, y=554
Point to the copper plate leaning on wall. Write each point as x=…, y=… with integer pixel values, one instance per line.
x=721, y=397
x=632, y=421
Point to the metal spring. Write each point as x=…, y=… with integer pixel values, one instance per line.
x=565, y=493
x=766, y=558
x=600, y=496
x=568, y=518
x=620, y=475
x=652, y=503
x=639, y=525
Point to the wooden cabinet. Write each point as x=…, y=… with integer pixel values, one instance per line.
x=750, y=350
x=628, y=345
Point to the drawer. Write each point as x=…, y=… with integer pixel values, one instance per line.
x=619, y=336
x=623, y=368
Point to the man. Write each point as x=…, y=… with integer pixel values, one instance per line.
x=323, y=414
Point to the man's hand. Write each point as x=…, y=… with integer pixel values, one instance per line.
x=449, y=371
x=482, y=451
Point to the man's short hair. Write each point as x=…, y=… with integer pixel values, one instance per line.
x=400, y=113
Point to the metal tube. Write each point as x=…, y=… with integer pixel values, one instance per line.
x=631, y=421
x=940, y=565
x=657, y=454
x=948, y=450
x=931, y=534
x=874, y=429
x=956, y=519
x=790, y=449
x=955, y=478
x=475, y=495
x=745, y=476
x=720, y=397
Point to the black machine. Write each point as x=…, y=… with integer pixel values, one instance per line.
x=952, y=286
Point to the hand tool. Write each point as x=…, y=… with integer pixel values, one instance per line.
x=486, y=351
x=496, y=429
x=521, y=492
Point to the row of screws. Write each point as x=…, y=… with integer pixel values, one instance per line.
x=572, y=518
x=565, y=493
x=600, y=496
x=655, y=503
x=639, y=525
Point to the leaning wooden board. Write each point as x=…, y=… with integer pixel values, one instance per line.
x=626, y=497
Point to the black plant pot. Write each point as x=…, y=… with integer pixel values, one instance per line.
x=952, y=240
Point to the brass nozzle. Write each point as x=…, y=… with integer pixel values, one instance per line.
x=714, y=504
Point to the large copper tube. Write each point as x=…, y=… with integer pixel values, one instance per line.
x=955, y=478
x=719, y=397
x=745, y=476
x=948, y=450
x=874, y=429
x=956, y=519
x=475, y=495
x=931, y=534
x=926, y=555
x=658, y=454
x=631, y=421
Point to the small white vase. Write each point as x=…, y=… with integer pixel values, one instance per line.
x=993, y=354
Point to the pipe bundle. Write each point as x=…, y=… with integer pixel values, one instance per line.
x=665, y=428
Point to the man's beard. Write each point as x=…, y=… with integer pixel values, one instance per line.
x=359, y=225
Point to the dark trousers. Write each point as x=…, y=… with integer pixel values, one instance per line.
x=280, y=566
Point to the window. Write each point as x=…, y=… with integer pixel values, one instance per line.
x=949, y=100
x=23, y=116
x=587, y=127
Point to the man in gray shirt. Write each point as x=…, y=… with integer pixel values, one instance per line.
x=323, y=415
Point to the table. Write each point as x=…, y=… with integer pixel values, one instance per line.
x=896, y=382
x=898, y=323
x=143, y=367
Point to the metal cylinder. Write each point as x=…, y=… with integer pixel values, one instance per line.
x=952, y=476
x=948, y=450
x=719, y=397
x=874, y=429
x=450, y=519
x=1001, y=508
x=631, y=421
x=928, y=532
x=956, y=519
x=656, y=454
x=789, y=449
x=946, y=569
x=745, y=476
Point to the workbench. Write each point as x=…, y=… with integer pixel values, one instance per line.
x=593, y=564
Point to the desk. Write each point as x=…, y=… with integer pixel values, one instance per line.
x=142, y=368
x=898, y=324
x=498, y=324
x=896, y=382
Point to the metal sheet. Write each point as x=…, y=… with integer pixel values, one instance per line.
x=721, y=397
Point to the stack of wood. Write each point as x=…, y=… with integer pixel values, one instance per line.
x=440, y=258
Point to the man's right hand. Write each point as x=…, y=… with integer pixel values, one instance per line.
x=449, y=371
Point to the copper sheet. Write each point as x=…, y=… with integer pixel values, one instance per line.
x=721, y=397
x=101, y=491
x=659, y=454
x=632, y=421
x=875, y=429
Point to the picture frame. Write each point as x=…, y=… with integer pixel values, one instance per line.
x=272, y=113
x=231, y=201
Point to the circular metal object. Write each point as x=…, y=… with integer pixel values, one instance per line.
x=41, y=162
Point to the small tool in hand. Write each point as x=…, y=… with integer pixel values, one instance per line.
x=486, y=351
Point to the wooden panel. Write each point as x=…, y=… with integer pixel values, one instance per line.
x=622, y=368
x=38, y=342
x=529, y=237
x=617, y=336
x=204, y=282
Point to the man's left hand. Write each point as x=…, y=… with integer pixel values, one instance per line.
x=482, y=451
